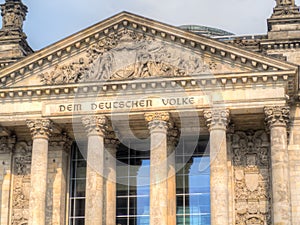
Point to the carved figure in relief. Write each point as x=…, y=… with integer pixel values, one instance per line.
x=70, y=73
x=127, y=55
x=144, y=59
x=103, y=66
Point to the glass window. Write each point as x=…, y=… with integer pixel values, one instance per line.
x=133, y=190
x=133, y=186
x=193, y=185
x=77, y=187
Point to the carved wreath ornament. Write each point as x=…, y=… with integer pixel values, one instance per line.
x=127, y=55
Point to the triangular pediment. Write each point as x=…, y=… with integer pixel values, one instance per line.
x=129, y=47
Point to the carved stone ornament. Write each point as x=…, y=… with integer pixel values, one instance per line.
x=111, y=142
x=285, y=8
x=158, y=121
x=40, y=128
x=13, y=14
x=61, y=141
x=161, y=116
x=7, y=144
x=277, y=115
x=95, y=125
x=251, y=172
x=128, y=55
x=21, y=183
x=173, y=135
x=285, y=2
x=217, y=119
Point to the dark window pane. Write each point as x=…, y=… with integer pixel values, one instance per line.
x=121, y=221
x=79, y=207
x=132, y=221
x=132, y=205
x=79, y=221
x=180, y=204
x=78, y=188
x=122, y=206
x=180, y=220
x=80, y=169
x=122, y=186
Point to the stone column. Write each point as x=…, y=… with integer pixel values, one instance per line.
x=110, y=179
x=59, y=148
x=158, y=124
x=95, y=127
x=6, y=148
x=172, y=142
x=40, y=130
x=277, y=119
x=217, y=121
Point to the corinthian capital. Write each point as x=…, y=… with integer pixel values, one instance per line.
x=217, y=119
x=40, y=128
x=277, y=115
x=95, y=125
x=158, y=121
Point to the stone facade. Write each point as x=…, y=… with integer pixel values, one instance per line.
x=130, y=77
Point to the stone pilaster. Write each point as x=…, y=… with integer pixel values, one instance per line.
x=217, y=121
x=58, y=156
x=172, y=142
x=40, y=130
x=6, y=147
x=111, y=144
x=95, y=127
x=277, y=119
x=158, y=124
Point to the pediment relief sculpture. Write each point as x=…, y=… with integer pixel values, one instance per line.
x=129, y=55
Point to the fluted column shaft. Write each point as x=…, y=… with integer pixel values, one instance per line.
x=110, y=180
x=40, y=130
x=217, y=121
x=158, y=126
x=95, y=128
x=277, y=118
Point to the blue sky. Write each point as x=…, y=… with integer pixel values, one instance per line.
x=50, y=21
